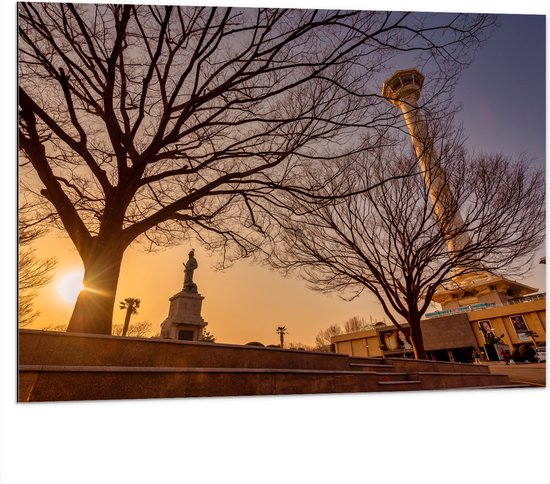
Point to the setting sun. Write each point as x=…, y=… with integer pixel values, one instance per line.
x=70, y=285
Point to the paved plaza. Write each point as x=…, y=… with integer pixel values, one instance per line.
x=531, y=373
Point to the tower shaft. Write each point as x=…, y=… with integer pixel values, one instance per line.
x=403, y=91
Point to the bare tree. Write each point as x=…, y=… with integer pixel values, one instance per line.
x=323, y=339
x=207, y=337
x=55, y=327
x=154, y=123
x=355, y=324
x=140, y=329
x=296, y=345
x=33, y=272
x=131, y=304
x=390, y=241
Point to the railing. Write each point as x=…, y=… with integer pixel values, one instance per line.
x=532, y=297
x=480, y=306
x=461, y=309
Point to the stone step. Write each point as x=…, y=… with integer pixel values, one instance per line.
x=400, y=382
x=365, y=359
x=63, y=383
x=496, y=387
x=467, y=373
x=433, y=380
x=58, y=382
x=373, y=366
x=391, y=376
x=400, y=385
x=184, y=369
x=409, y=365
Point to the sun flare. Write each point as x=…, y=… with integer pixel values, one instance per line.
x=70, y=285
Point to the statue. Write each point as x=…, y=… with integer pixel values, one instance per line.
x=190, y=266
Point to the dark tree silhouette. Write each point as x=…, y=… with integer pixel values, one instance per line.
x=33, y=272
x=131, y=305
x=207, y=337
x=389, y=240
x=356, y=324
x=154, y=123
x=281, y=331
x=141, y=329
x=323, y=340
x=138, y=330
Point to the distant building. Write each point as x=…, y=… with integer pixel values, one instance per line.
x=454, y=334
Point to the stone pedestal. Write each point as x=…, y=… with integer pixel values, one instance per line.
x=184, y=321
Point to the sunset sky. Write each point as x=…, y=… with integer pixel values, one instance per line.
x=503, y=100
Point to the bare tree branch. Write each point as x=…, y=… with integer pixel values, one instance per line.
x=154, y=123
x=391, y=241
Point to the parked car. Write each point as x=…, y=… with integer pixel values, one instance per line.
x=540, y=355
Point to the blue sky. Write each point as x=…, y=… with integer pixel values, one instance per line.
x=503, y=99
x=503, y=91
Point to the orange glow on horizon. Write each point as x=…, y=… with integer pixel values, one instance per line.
x=244, y=303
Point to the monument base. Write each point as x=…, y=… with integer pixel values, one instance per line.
x=184, y=321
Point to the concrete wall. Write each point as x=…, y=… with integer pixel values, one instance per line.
x=448, y=332
x=361, y=343
x=65, y=366
x=72, y=349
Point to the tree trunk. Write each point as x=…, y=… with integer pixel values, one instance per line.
x=417, y=341
x=93, y=311
x=127, y=320
x=282, y=339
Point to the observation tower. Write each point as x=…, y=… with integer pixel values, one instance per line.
x=403, y=90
